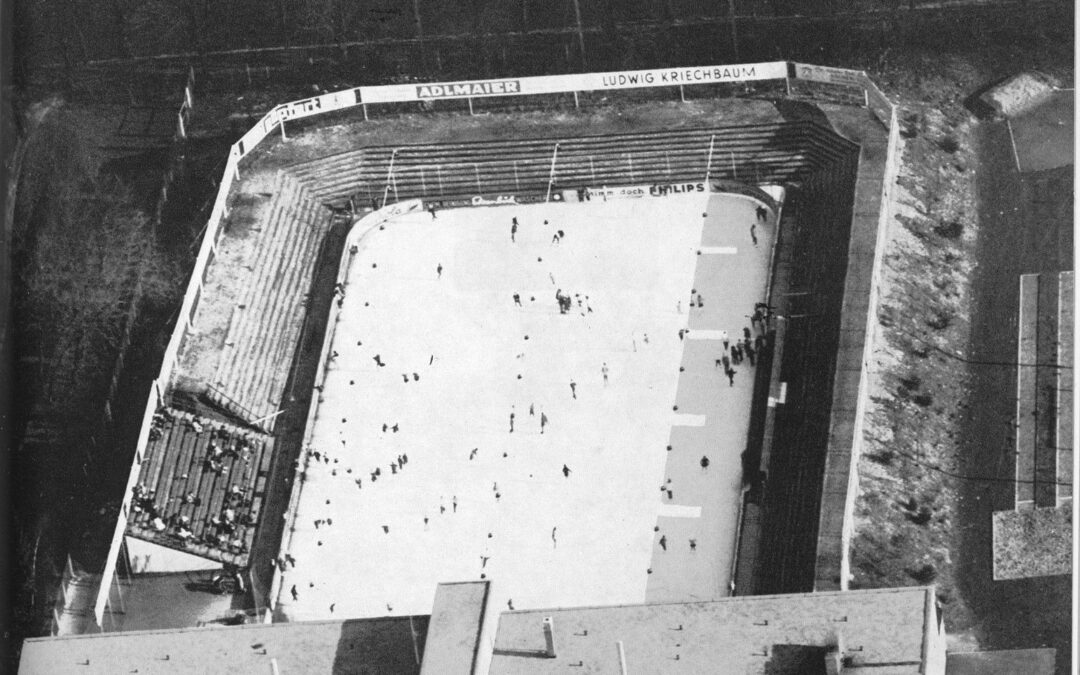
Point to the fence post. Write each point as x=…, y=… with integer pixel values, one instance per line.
x=470, y=105
x=682, y=94
x=576, y=104
x=281, y=123
x=364, y=106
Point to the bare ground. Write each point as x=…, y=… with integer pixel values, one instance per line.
x=938, y=457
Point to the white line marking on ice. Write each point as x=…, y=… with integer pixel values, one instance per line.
x=722, y=250
x=704, y=335
x=679, y=511
x=681, y=420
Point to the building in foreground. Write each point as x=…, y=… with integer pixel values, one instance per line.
x=892, y=631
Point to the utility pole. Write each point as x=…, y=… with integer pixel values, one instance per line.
x=734, y=36
x=580, y=33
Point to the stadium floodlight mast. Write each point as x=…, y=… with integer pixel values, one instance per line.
x=708, y=164
x=389, y=176
x=551, y=173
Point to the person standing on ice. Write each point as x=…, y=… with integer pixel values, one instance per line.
x=543, y=422
x=513, y=230
x=604, y=372
x=511, y=422
x=573, y=389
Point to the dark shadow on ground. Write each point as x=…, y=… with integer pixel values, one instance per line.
x=1025, y=227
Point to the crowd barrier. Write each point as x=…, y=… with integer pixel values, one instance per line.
x=419, y=92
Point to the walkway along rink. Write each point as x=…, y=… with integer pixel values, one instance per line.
x=414, y=476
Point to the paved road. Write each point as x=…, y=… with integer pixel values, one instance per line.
x=1025, y=226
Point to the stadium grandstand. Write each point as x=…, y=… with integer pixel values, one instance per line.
x=349, y=288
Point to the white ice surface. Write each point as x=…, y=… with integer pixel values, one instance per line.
x=635, y=261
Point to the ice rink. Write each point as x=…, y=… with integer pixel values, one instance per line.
x=567, y=514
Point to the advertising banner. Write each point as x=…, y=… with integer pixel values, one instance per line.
x=552, y=84
x=839, y=76
x=638, y=191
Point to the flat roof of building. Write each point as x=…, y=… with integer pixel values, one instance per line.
x=382, y=645
x=751, y=634
x=456, y=621
x=1003, y=662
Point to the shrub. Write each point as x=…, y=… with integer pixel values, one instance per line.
x=924, y=574
x=950, y=230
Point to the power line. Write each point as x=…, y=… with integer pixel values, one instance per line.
x=985, y=479
x=978, y=362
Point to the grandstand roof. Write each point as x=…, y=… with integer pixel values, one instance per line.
x=751, y=634
x=384, y=645
x=194, y=472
